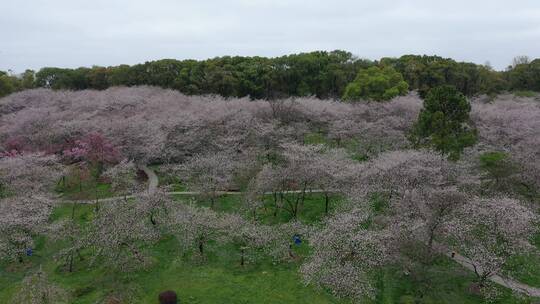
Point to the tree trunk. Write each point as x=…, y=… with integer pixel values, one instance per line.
x=326, y=199
x=70, y=263
x=275, y=204
x=291, y=254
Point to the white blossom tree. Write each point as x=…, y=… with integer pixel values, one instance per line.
x=210, y=174
x=420, y=187
x=156, y=207
x=249, y=237
x=119, y=234
x=346, y=255
x=489, y=231
x=26, y=174
x=123, y=177
x=195, y=227
x=21, y=218
x=72, y=234
x=36, y=288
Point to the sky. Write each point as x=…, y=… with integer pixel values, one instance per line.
x=73, y=33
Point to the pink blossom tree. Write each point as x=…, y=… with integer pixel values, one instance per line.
x=93, y=148
x=512, y=125
x=419, y=186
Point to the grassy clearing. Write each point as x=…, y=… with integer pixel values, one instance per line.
x=89, y=189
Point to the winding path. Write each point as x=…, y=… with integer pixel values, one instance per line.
x=152, y=178
x=516, y=286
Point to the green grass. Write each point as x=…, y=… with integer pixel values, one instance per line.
x=87, y=190
x=525, y=268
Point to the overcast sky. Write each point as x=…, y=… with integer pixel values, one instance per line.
x=73, y=33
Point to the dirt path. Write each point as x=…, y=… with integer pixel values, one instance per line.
x=152, y=179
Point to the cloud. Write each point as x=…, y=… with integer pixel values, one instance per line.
x=71, y=33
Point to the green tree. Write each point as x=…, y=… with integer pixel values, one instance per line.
x=524, y=75
x=442, y=123
x=8, y=84
x=27, y=79
x=376, y=83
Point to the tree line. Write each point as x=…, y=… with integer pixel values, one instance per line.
x=320, y=73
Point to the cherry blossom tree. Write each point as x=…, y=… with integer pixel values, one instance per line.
x=156, y=207
x=249, y=237
x=332, y=168
x=512, y=125
x=346, y=255
x=72, y=234
x=29, y=174
x=489, y=231
x=123, y=178
x=119, y=235
x=36, y=288
x=14, y=146
x=291, y=179
x=209, y=174
x=195, y=226
x=21, y=218
x=421, y=189
x=342, y=129
x=93, y=148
